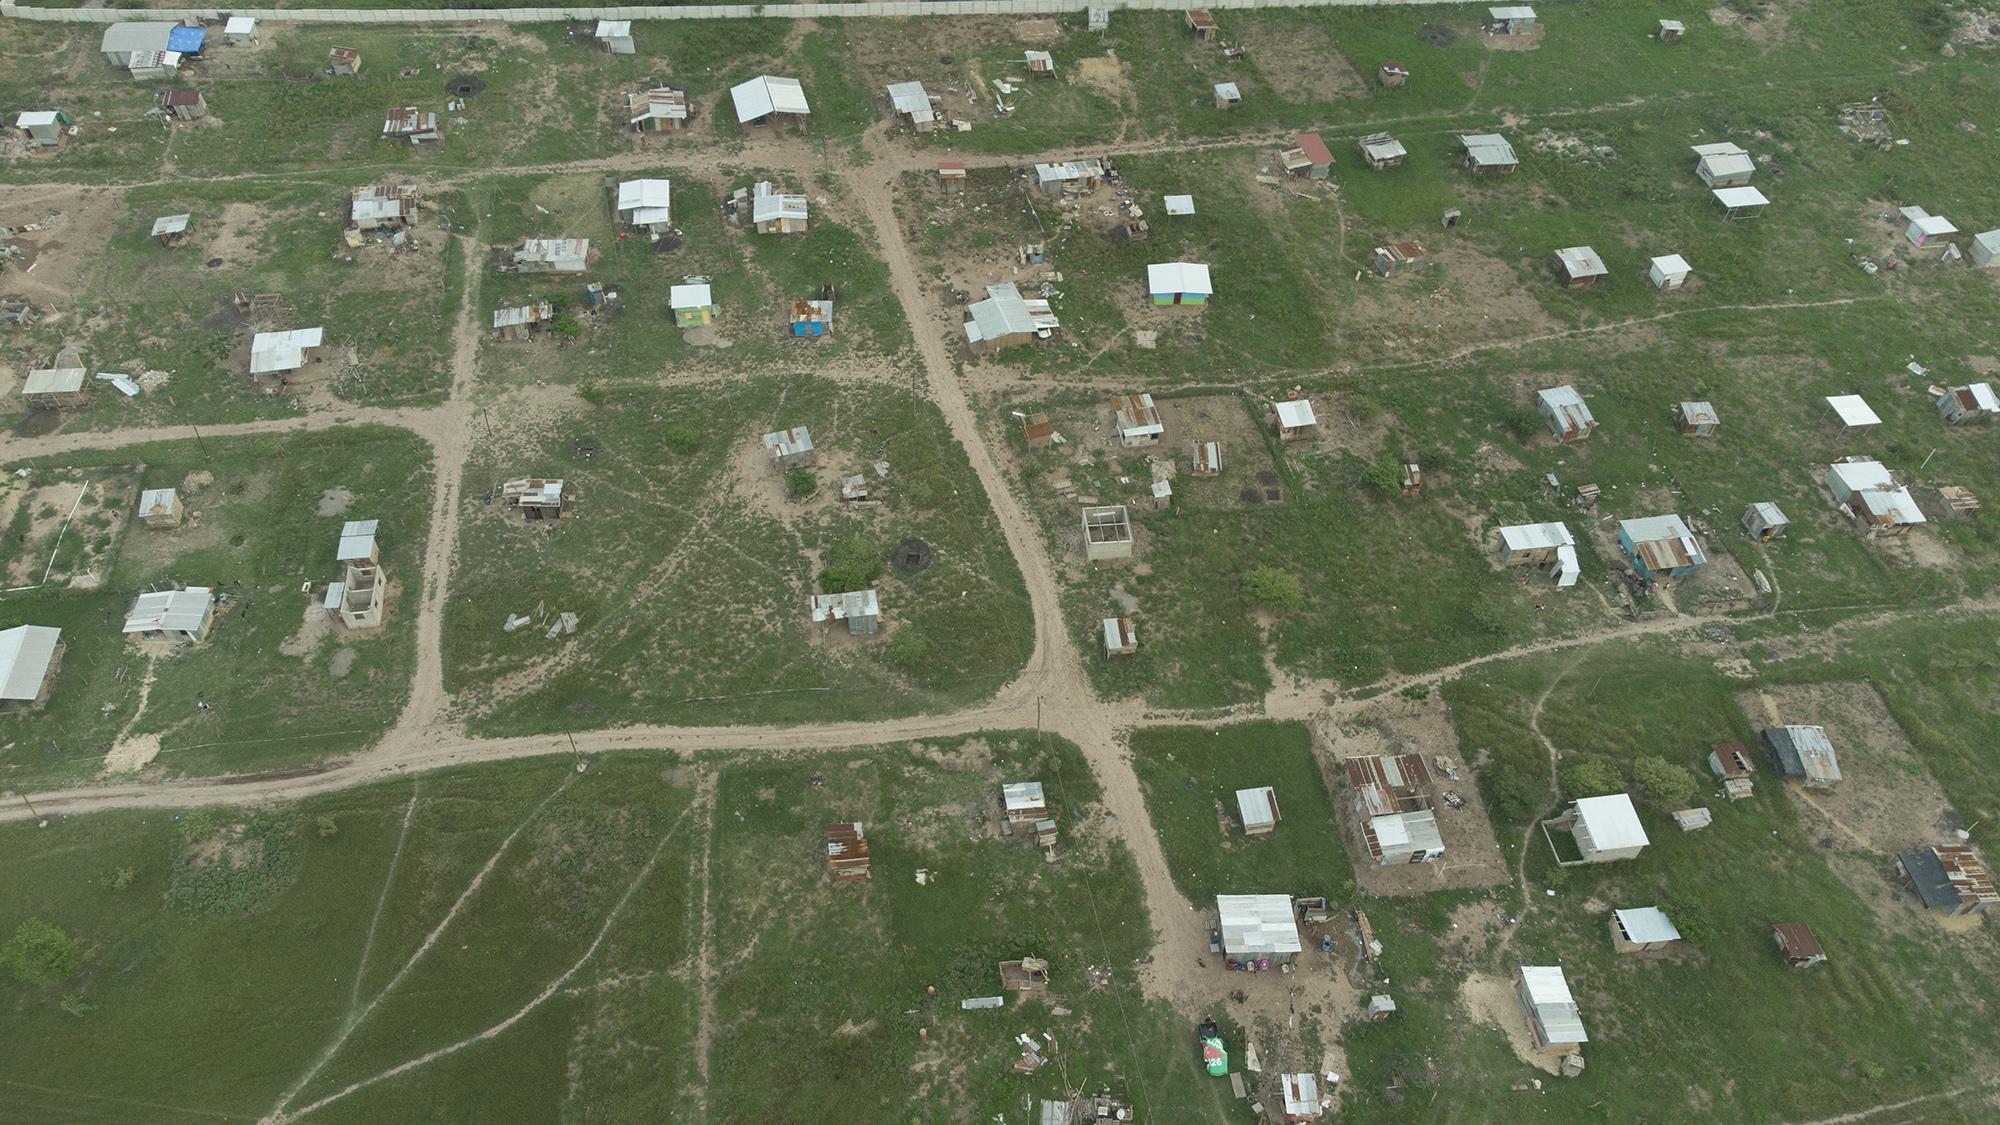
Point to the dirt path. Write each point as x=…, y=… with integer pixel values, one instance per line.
x=1554, y=798
x=705, y=972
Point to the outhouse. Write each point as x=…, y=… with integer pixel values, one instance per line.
x=1764, y=521
x=1669, y=272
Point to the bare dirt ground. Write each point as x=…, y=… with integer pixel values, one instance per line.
x=1490, y=1001
x=1301, y=64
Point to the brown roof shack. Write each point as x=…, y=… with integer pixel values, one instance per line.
x=1731, y=760
x=343, y=60
x=1038, y=430
x=846, y=851
x=1797, y=945
x=1201, y=23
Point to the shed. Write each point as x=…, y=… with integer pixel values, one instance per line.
x=1926, y=228
x=1259, y=810
x=1739, y=201
x=1661, y=546
x=1107, y=532
x=1579, y=267
x=44, y=127
x=861, y=609
x=810, y=319
x=1029, y=974
x=1380, y=1007
x=1393, y=74
x=1803, y=754
x=1380, y=150
x=1696, y=418
x=1516, y=19
x=951, y=177
x=1206, y=461
x=1765, y=521
x=657, y=108
x=1403, y=837
x=1949, y=880
x=1871, y=495
x=122, y=42
x=1258, y=928
x=63, y=386
x=1551, y=1010
x=1296, y=418
x=1069, y=175
x=1723, y=164
x=1853, y=412
x=646, y=204
x=239, y=29
x=1037, y=430
x=381, y=205
x=1797, y=945
x=150, y=66
x=357, y=599
x=1731, y=761
x=777, y=212
x=521, y=322
x=1006, y=318
x=1547, y=545
x=1968, y=403
x=179, y=615
x=1301, y=1094
x=343, y=62
x=761, y=97
x=552, y=255
x=1201, y=24
x=846, y=851
x=1178, y=283
x=914, y=106
x=171, y=229
x=1607, y=828
x=1568, y=416
x=1309, y=156
x=1669, y=271
x=1023, y=802
x=692, y=302
x=1040, y=64
x=1641, y=929
x=418, y=126
x=184, y=105
x=274, y=353
x=1228, y=95
x=536, y=498
x=1120, y=638
x=1138, y=420
x=357, y=543
x=616, y=35
x=1671, y=31
x=30, y=656
x=1488, y=153
x=1986, y=249
x=161, y=507
x=790, y=449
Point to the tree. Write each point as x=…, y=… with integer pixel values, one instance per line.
x=1664, y=783
x=802, y=482
x=1691, y=918
x=1275, y=589
x=854, y=563
x=1587, y=775
x=39, y=953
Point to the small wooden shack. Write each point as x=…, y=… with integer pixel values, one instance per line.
x=161, y=507
x=1797, y=945
x=846, y=852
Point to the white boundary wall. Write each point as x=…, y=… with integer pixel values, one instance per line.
x=688, y=12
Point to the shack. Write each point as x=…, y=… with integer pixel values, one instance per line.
x=1949, y=880
x=1548, y=546
x=174, y=615
x=1579, y=267
x=1739, y=202
x=657, y=109
x=61, y=387
x=1696, y=418
x=1641, y=930
x=1005, y=318
x=357, y=543
x=789, y=449
x=1259, y=932
x=43, y=127
x=914, y=106
x=1661, y=546
x=358, y=598
x=1765, y=521
x=1518, y=19
x=1926, y=229
x=1138, y=421
x=1228, y=95
x=184, y=105
x=1392, y=796
x=861, y=609
x=764, y=97
x=1731, y=761
x=846, y=852
x=1986, y=249
x=1028, y=975
x=1489, y=154
x=1071, y=176
x=1296, y=419
x=276, y=353
x=1023, y=802
x=1301, y=1096
x=646, y=205
x=1969, y=403
x=1120, y=638
x=1866, y=490
x=1606, y=829
x=777, y=212
x=1568, y=416
x=951, y=176
x=522, y=322
x=1107, y=532
x=1380, y=151
x=1551, y=1011
x=1723, y=164
x=692, y=302
x=1669, y=271
x=1671, y=31
x=536, y=498
x=237, y=30
x=1201, y=24
x=343, y=62
x=1206, y=460
x=1178, y=283
x=1040, y=64
x=616, y=36
x=1258, y=809
x=30, y=657
x=1393, y=74
x=1797, y=945
x=1038, y=431
x=1803, y=754
x=552, y=255
x=418, y=126
x=161, y=508
x=1308, y=157
x=379, y=206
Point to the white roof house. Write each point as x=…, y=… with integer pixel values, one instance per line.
x=26, y=651
x=616, y=35
x=696, y=295
x=1568, y=415
x=1986, y=249
x=54, y=381
x=1228, y=92
x=1178, y=277
x=1296, y=412
x=160, y=500
x=357, y=540
x=913, y=101
x=1646, y=925
x=1393, y=836
x=1545, y=992
x=1925, y=226
x=1668, y=271
x=1006, y=313
x=1846, y=478
x=1119, y=635
x=767, y=205
x=1852, y=411
x=180, y=611
x=1739, y=198
x=1488, y=150
x=1138, y=420
x=239, y=27
x=1530, y=537
x=1581, y=262
x=1258, y=807
x=1723, y=163
x=764, y=95
x=1608, y=824
x=1301, y=1096
x=31, y=118
x=552, y=255
x=1022, y=796
x=1258, y=925
x=1051, y=177
x=1179, y=204
x=273, y=352
x=171, y=224
x=645, y=203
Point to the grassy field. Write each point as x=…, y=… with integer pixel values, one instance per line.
x=713, y=627
x=281, y=692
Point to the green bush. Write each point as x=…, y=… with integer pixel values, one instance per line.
x=198, y=825
x=909, y=651
x=1664, y=783
x=802, y=482
x=39, y=953
x=854, y=563
x=122, y=878
x=683, y=437
x=1691, y=918
x=1275, y=589
x=254, y=865
x=1587, y=775
x=327, y=827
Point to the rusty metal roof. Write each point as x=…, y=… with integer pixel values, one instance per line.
x=1795, y=939
x=846, y=843
x=1390, y=782
x=1735, y=759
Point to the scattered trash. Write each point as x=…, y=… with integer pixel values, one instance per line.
x=515, y=621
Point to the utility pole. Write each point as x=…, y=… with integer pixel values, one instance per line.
x=198, y=442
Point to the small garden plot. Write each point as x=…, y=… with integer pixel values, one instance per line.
x=63, y=525
x=713, y=624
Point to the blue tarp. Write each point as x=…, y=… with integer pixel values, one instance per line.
x=186, y=40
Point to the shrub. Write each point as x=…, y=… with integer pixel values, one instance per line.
x=1691, y=918
x=39, y=953
x=1664, y=783
x=198, y=825
x=802, y=482
x=1275, y=589
x=565, y=324
x=1385, y=475
x=592, y=392
x=854, y=563
x=908, y=650
x=683, y=437
x=1587, y=775
x=327, y=827
x=122, y=878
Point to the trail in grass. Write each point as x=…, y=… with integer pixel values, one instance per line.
x=381, y=901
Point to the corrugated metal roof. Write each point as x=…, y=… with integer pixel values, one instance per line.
x=1398, y=834
x=1645, y=925
x=764, y=95
x=170, y=224
x=1737, y=197
x=1228, y=92
x=1301, y=1094
x=1797, y=940
x=1844, y=478
x=614, y=29
x=1257, y=924
x=26, y=651
x=1488, y=148
x=1555, y=1009
x=662, y=102
x=157, y=501
x=1581, y=261
x=785, y=443
x=1178, y=277
x=698, y=295
x=239, y=25
x=1853, y=411
x=1728, y=165
x=1294, y=413
x=1069, y=171
x=1665, y=542
x=54, y=381
x=357, y=540
x=1804, y=752
x=1770, y=513
x=768, y=204
x=1257, y=806
x=1611, y=821
x=646, y=195
x=1512, y=12
x=1022, y=796
x=1698, y=413
x=1119, y=633
x=1382, y=146
x=1314, y=148
x=33, y=117
x=1536, y=536
x=282, y=351
x=126, y=38
x=1672, y=264
x=1720, y=148
x=1893, y=506
x=1179, y=204
x=1138, y=417
x=1002, y=313
x=569, y=254
x=169, y=609
x=911, y=98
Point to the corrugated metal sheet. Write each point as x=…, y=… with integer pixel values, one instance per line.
x=26, y=651
x=1258, y=807
x=1611, y=822
x=1554, y=1009
x=1645, y=925
x=1257, y=924
x=1296, y=413
x=764, y=95
x=177, y=610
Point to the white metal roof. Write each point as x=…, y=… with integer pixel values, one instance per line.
x=1412, y=831
x=1301, y=1094
x=1932, y=224
x=1770, y=513
x=1382, y=146
x=1178, y=277
x=1068, y=171
x=913, y=99
x=768, y=204
x=1728, y=164
x=51, y=381
x=1853, y=411
x=1720, y=148
x=1548, y=993
x=282, y=351
x=1040, y=57
x=1296, y=412
x=1022, y=795
x=1744, y=196
x=1115, y=635
x=614, y=29
x=1180, y=204
x=840, y=607
x=376, y=208
x=1983, y=397
x=169, y=609
x=1654, y=529
x=1514, y=12
x=1855, y=476
x=1671, y=264
x=26, y=651
x=1988, y=240
x=782, y=443
x=239, y=25
x=157, y=500
x=1646, y=925
x=554, y=250
x=170, y=224
x=1894, y=504
x=36, y=117
x=518, y=314
x=1488, y=148
x=1672, y=25
x=765, y=95
x=357, y=540
x=695, y=296
x=1536, y=536
x=1257, y=924
x=1228, y=92
x=126, y=38
x=1581, y=261
x=1611, y=820
x=1257, y=806
x=637, y=194
x=1698, y=411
